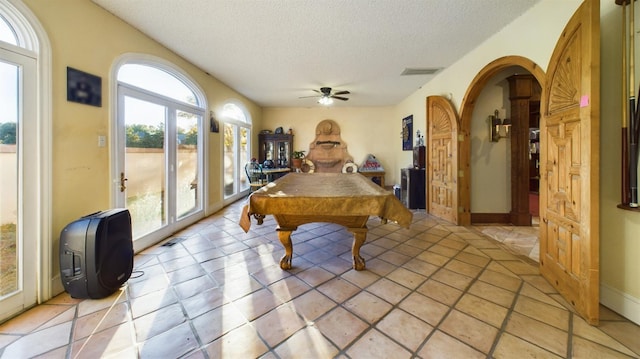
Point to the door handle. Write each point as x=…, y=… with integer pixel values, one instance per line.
x=122, y=181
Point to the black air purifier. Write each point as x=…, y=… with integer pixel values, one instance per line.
x=96, y=254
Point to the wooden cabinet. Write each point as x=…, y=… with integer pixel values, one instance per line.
x=419, y=157
x=376, y=176
x=412, y=185
x=276, y=148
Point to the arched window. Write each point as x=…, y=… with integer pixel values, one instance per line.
x=159, y=160
x=236, y=149
x=157, y=81
x=7, y=34
x=24, y=159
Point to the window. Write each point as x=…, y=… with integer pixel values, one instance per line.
x=7, y=34
x=236, y=151
x=24, y=162
x=160, y=149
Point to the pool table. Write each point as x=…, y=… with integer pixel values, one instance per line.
x=347, y=199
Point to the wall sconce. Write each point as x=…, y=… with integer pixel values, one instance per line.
x=498, y=128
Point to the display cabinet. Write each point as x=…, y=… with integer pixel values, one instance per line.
x=275, y=150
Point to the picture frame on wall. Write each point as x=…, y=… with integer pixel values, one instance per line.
x=407, y=133
x=214, y=126
x=84, y=88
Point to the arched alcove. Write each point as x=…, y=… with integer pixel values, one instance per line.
x=466, y=115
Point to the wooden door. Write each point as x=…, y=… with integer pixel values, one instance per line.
x=442, y=163
x=569, y=242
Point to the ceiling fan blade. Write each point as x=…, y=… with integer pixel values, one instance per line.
x=318, y=91
x=309, y=96
x=340, y=98
x=342, y=92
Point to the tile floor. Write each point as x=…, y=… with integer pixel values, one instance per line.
x=433, y=291
x=518, y=240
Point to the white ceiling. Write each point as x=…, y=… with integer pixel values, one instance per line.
x=275, y=51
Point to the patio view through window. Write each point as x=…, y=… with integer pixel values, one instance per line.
x=162, y=154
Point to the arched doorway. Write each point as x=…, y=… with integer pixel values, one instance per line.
x=466, y=115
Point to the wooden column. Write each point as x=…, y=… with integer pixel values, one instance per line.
x=522, y=90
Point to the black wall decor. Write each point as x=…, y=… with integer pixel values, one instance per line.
x=407, y=133
x=83, y=87
x=214, y=126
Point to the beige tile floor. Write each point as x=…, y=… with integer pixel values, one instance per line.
x=518, y=240
x=433, y=291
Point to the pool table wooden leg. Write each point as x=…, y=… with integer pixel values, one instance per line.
x=359, y=236
x=284, y=235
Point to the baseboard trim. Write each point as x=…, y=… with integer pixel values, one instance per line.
x=56, y=286
x=622, y=303
x=213, y=208
x=502, y=218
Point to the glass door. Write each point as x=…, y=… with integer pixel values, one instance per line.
x=187, y=182
x=145, y=165
x=230, y=163
x=236, y=156
x=159, y=164
x=18, y=147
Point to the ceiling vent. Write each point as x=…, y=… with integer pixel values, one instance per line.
x=420, y=71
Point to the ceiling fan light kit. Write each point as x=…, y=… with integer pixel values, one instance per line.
x=327, y=95
x=324, y=100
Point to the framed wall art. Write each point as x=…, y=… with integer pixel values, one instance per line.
x=84, y=88
x=407, y=133
x=214, y=126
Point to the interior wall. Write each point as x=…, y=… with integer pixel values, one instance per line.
x=86, y=37
x=491, y=161
x=366, y=130
x=619, y=229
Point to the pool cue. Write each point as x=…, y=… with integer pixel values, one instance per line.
x=633, y=138
x=624, y=142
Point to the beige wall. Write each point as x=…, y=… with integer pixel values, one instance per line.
x=371, y=130
x=88, y=38
x=491, y=161
x=619, y=229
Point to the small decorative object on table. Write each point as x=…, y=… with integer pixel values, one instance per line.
x=420, y=139
x=371, y=164
x=372, y=168
x=296, y=160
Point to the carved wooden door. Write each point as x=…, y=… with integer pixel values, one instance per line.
x=442, y=163
x=569, y=242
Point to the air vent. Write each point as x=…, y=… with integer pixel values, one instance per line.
x=420, y=71
x=173, y=241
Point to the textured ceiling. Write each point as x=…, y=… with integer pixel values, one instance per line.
x=275, y=51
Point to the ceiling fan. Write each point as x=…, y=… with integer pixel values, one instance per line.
x=327, y=95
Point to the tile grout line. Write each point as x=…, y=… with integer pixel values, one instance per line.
x=370, y=326
x=506, y=319
x=412, y=291
x=453, y=305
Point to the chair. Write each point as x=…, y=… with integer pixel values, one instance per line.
x=257, y=179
